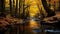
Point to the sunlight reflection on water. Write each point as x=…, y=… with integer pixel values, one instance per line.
x=33, y=23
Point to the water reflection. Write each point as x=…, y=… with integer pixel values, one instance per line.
x=34, y=26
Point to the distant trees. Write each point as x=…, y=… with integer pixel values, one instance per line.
x=24, y=10
x=18, y=10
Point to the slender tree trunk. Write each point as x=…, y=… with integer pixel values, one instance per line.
x=0, y=6
x=22, y=9
x=16, y=8
x=59, y=6
x=19, y=8
x=27, y=12
x=11, y=7
x=48, y=10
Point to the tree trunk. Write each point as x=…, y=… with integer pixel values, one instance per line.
x=19, y=8
x=16, y=8
x=11, y=7
x=59, y=6
x=48, y=10
x=22, y=9
x=2, y=8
